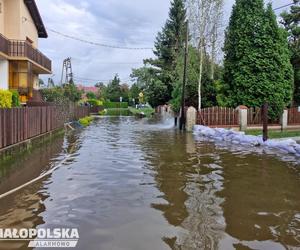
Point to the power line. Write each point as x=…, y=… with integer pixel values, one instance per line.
x=284, y=6
x=96, y=43
x=96, y=80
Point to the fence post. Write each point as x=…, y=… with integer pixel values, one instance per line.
x=284, y=119
x=191, y=118
x=243, y=117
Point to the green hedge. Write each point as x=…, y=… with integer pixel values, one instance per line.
x=95, y=102
x=5, y=99
x=15, y=98
x=116, y=105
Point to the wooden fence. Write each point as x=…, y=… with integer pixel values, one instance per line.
x=218, y=116
x=254, y=116
x=293, y=116
x=20, y=124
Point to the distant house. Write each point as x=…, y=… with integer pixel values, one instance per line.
x=21, y=62
x=86, y=89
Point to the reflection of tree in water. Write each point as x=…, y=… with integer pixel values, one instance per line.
x=261, y=199
x=188, y=180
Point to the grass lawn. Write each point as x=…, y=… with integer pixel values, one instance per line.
x=147, y=111
x=275, y=134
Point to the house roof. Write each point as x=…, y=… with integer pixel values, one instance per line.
x=35, y=14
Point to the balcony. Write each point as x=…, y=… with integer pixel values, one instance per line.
x=4, y=45
x=24, y=49
x=17, y=48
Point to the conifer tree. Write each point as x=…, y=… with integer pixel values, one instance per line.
x=291, y=21
x=256, y=66
x=168, y=45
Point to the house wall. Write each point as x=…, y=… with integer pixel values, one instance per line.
x=28, y=28
x=1, y=16
x=12, y=19
x=18, y=23
x=4, y=71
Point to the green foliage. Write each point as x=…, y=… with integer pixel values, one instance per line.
x=55, y=95
x=61, y=95
x=86, y=121
x=95, y=102
x=113, y=90
x=115, y=105
x=134, y=92
x=291, y=21
x=257, y=66
x=15, y=98
x=72, y=92
x=147, y=112
x=191, y=91
x=158, y=79
x=5, y=99
x=118, y=112
x=91, y=95
x=102, y=112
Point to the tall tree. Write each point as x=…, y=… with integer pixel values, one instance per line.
x=191, y=92
x=169, y=43
x=256, y=66
x=205, y=19
x=113, y=90
x=291, y=21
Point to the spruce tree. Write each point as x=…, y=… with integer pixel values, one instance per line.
x=291, y=21
x=168, y=45
x=256, y=65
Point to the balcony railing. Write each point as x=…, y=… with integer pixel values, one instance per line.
x=16, y=48
x=24, y=49
x=4, y=45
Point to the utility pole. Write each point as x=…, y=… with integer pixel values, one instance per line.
x=182, y=115
x=66, y=71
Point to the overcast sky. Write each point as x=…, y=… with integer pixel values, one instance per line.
x=126, y=23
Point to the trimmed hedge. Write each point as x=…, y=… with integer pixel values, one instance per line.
x=95, y=102
x=5, y=98
x=116, y=105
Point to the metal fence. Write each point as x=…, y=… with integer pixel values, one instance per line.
x=20, y=124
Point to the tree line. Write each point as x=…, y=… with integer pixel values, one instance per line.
x=259, y=64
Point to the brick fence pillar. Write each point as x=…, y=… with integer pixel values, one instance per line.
x=284, y=119
x=191, y=118
x=243, y=117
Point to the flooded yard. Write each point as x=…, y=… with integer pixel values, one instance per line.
x=131, y=185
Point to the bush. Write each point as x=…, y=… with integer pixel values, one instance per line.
x=116, y=105
x=15, y=98
x=86, y=121
x=102, y=112
x=5, y=99
x=94, y=102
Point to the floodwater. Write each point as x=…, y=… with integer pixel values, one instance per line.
x=130, y=185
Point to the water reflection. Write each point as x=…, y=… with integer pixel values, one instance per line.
x=130, y=186
x=24, y=208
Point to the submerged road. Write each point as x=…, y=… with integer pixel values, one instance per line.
x=131, y=185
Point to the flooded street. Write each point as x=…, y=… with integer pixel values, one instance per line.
x=129, y=185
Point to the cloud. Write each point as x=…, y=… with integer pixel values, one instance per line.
x=131, y=23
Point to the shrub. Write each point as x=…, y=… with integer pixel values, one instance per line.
x=116, y=105
x=86, y=121
x=95, y=102
x=5, y=99
x=102, y=112
x=15, y=98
